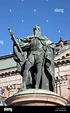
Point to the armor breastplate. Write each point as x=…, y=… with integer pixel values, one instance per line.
x=35, y=44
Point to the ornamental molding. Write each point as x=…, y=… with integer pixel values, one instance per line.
x=65, y=54
x=10, y=73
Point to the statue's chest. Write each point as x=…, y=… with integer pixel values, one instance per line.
x=35, y=44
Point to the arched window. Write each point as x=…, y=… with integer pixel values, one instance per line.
x=67, y=54
x=63, y=57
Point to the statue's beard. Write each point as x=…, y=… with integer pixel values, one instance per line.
x=37, y=33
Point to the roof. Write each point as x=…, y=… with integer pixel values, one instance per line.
x=7, y=62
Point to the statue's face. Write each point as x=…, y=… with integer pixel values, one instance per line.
x=36, y=28
x=36, y=31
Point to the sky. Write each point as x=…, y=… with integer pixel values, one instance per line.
x=53, y=16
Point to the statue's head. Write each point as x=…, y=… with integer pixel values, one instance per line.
x=37, y=31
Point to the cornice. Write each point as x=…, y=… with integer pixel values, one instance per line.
x=6, y=74
x=61, y=62
x=6, y=56
x=64, y=54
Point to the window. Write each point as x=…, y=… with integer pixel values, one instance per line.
x=63, y=57
x=2, y=91
x=67, y=54
x=2, y=103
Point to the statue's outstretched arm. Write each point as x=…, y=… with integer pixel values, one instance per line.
x=15, y=40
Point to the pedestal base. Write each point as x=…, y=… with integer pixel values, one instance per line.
x=36, y=97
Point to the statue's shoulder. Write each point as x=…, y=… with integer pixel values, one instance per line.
x=45, y=38
x=48, y=41
x=29, y=36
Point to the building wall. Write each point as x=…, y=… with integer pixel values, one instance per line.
x=62, y=72
x=10, y=79
x=68, y=88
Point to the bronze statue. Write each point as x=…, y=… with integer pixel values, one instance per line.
x=34, y=56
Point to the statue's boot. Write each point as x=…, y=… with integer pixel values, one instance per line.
x=22, y=87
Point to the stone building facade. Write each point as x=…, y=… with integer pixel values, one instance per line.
x=62, y=70
x=10, y=79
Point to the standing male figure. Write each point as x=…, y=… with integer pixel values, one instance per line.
x=41, y=54
x=35, y=57
x=36, y=51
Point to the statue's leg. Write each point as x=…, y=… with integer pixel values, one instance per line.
x=38, y=75
x=28, y=65
x=29, y=78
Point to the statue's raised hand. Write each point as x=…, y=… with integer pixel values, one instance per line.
x=10, y=31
